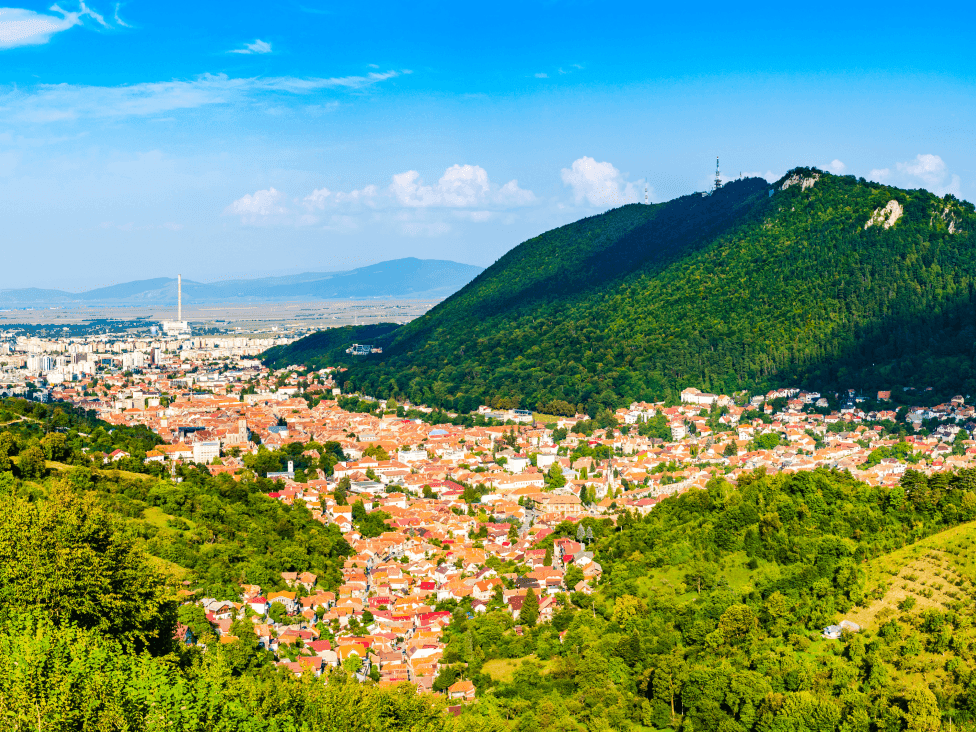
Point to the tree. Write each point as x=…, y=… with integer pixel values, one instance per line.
x=376, y=451
x=277, y=612
x=341, y=490
x=737, y=623
x=55, y=446
x=573, y=576
x=352, y=664
x=67, y=558
x=513, y=533
x=447, y=676
x=923, y=713
x=529, y=614
x=32, y=463
x=555, y=477
x=8, y=443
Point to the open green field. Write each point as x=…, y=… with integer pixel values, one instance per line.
x=936, y=572
x=545, y=418
x=502, y=669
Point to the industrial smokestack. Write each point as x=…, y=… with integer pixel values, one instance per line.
x=179, y=298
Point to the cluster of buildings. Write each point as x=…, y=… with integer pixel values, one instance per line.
x=467, y=506
x=30, y=364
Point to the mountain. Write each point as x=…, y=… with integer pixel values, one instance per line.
x=400, y=278
x=817, y=280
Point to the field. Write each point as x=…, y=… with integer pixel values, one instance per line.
x=545, y=418
x=502, y=669
x=936, y=572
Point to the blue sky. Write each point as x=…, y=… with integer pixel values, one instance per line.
x=141, y=139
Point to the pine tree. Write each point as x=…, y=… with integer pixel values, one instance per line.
x=529, y=613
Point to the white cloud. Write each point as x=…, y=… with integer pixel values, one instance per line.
x=836, y=167
x=925, y=171
x=57, y=102
x=257, y=208
x=20, y=27
x=258, y=46
x=768, y=175
x=542, y=75
x=463, y=193
x=930, y=168
x=601, y=184
x=511, y=195
x=322, y=198
x=461, y=186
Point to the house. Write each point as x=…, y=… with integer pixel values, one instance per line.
x=461, y=690
x=285, y=598
x=834, y=632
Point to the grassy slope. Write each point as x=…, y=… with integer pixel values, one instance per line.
x=938, y=572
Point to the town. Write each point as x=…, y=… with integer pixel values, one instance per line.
x=462, y=507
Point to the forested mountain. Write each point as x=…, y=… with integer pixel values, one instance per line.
x=819, y=280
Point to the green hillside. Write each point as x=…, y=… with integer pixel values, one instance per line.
x=711, y=611
x=741, y=289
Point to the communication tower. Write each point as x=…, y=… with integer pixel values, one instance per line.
x=646, y=201
x=718, y=176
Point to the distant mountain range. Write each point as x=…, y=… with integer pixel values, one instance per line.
x=408, y=278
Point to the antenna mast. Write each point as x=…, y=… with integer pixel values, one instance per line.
x=718, y=176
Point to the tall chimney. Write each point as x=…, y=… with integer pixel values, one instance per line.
x=179, y=298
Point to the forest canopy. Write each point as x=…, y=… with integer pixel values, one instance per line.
x=749, y=288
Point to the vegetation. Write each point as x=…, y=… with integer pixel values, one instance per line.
x=712, y=607
x=219, y=531
x=738, y=290
x=709, y=615
x=88, y=615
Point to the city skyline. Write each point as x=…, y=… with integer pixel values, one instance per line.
x=318, y=138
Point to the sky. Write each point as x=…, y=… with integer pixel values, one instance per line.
x=144, y=139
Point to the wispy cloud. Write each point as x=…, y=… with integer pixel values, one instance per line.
x=20, y=27
x=118, y=20
x=58, y=102
x=258, y=46
x=542, y=75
